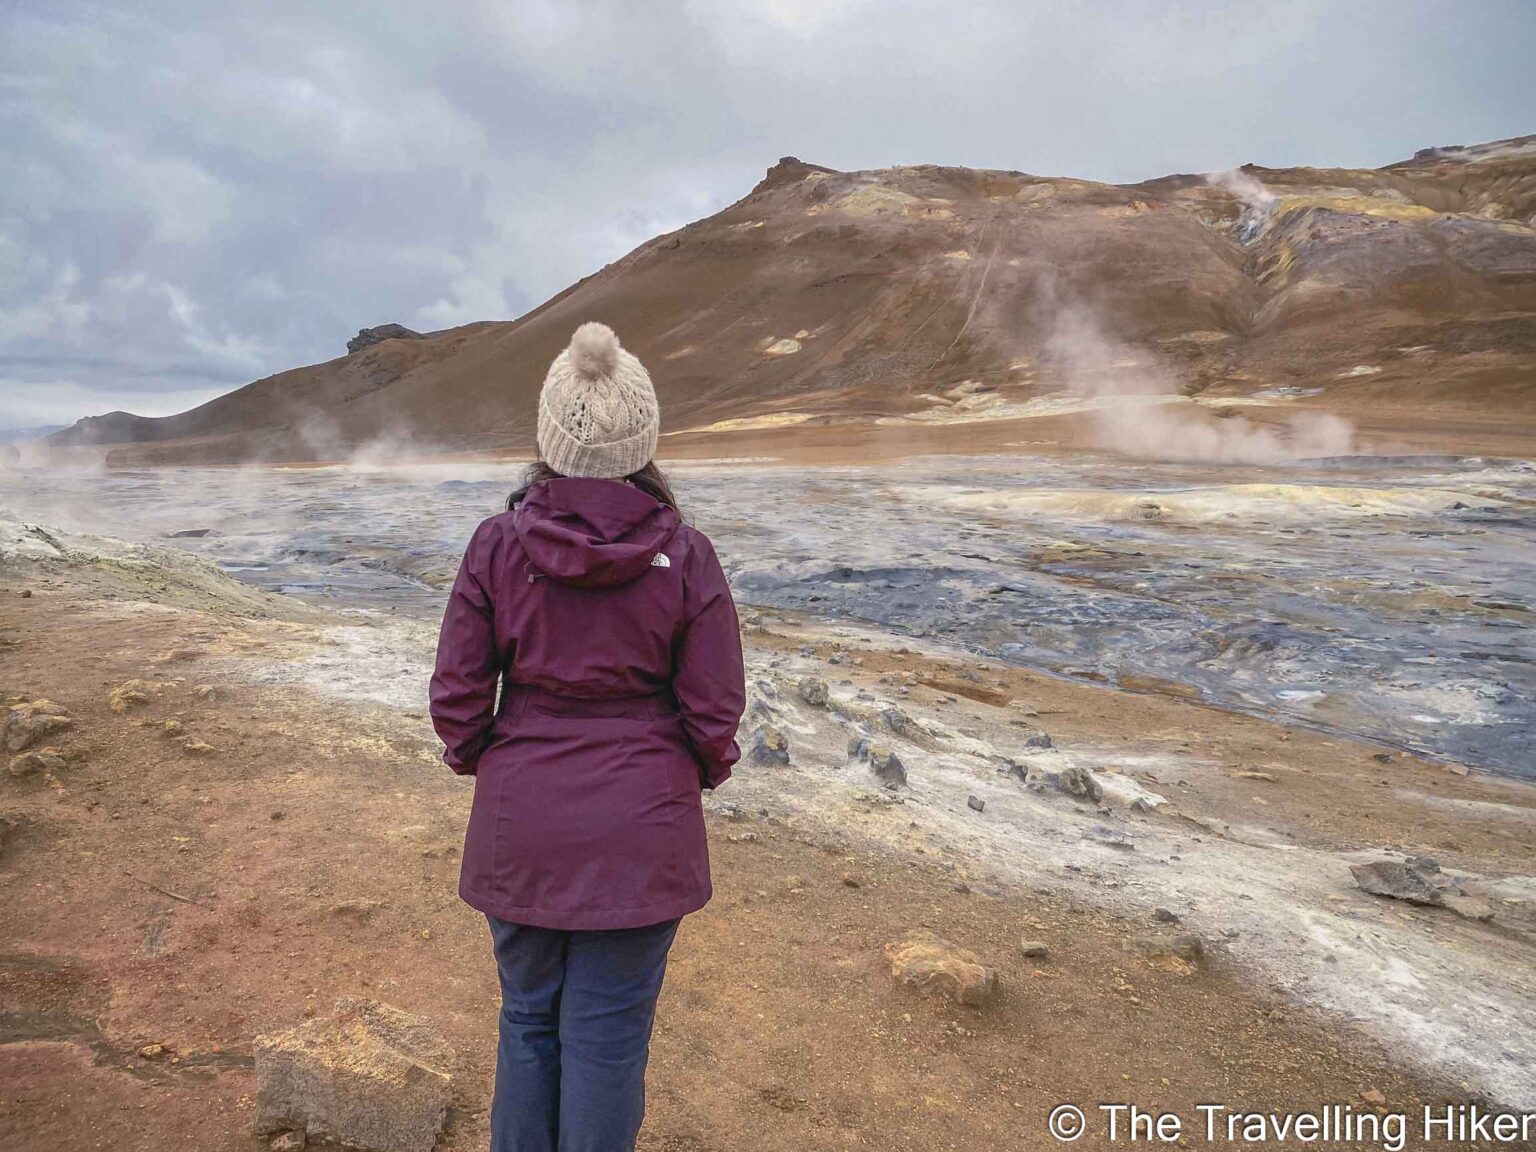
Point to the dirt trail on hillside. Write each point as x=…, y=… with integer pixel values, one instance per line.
x=160, y=892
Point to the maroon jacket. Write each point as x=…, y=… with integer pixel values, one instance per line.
x=611, y=628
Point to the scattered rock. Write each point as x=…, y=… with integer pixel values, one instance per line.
x=1419, y=880
x=1252, y=775
x=41, y=760
x=742, y=837
x=813, y=690
x=289, y=1141
x=152, y=1051
x=173, y=728
x=369, y=1076
x=1180, y=954
x=768, y=745
x=1008, y=766
x=1079, y=782
x=1469, y=906
x=887, y=766
x=130, y=695
x=191, y=534
x=1035, y=949
x=1165, y=915
x=1382, y=757
x=197, y=748
x=366, y=337
x=975, y=804
x=28, y=722
x=903, y=725
x=205, y=691
x=935, y=966
x=1038, y=741
x=1373, y=1096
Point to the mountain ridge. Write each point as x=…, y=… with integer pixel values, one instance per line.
x=924, y=294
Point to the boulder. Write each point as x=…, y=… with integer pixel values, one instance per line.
x=40, y=760
x=1423, y=883
x=887, y=766
x=369, y=1076
x=367, y=337
x=901, y=724
x=28, y=722
x=768, y=745
x=813, y=690
x=884, y=763
x=1079, y=782
x=131, y=694
x=935, y=966
x=1419, y=880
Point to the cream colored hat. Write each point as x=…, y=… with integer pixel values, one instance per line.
x=597, y=411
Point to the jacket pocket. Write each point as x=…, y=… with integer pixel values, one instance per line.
x=513, y=709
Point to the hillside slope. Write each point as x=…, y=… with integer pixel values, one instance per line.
x=937, y=294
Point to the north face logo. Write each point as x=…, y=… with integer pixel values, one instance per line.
x=660, y=561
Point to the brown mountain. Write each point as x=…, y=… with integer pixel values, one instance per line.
x=928, y=299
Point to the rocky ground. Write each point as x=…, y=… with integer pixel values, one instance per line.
x=218, y=820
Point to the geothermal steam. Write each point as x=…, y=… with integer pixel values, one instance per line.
x=1258, y=201
x=1141, y=412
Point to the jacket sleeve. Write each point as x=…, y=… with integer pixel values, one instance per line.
x=708, y=678
x=463, y=691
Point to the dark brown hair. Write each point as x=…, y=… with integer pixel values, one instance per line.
x=649, y=480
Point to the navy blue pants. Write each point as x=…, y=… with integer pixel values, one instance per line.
x=576, y=1014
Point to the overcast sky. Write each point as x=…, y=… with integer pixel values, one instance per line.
x=194, y=195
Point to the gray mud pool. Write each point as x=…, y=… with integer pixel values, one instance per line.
x=1387, y=597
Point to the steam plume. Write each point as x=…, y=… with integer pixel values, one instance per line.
x=1257, y=200
x=1142, y=412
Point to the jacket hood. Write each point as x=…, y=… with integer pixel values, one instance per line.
x=592, y=533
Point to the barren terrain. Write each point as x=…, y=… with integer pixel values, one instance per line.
x=264, y=826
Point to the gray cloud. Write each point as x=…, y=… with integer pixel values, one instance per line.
x=198, y=195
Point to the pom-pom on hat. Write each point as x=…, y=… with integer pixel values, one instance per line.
x=597, y=410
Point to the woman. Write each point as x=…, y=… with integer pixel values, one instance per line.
x=609, y=625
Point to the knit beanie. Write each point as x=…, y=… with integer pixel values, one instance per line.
x=597, y=411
